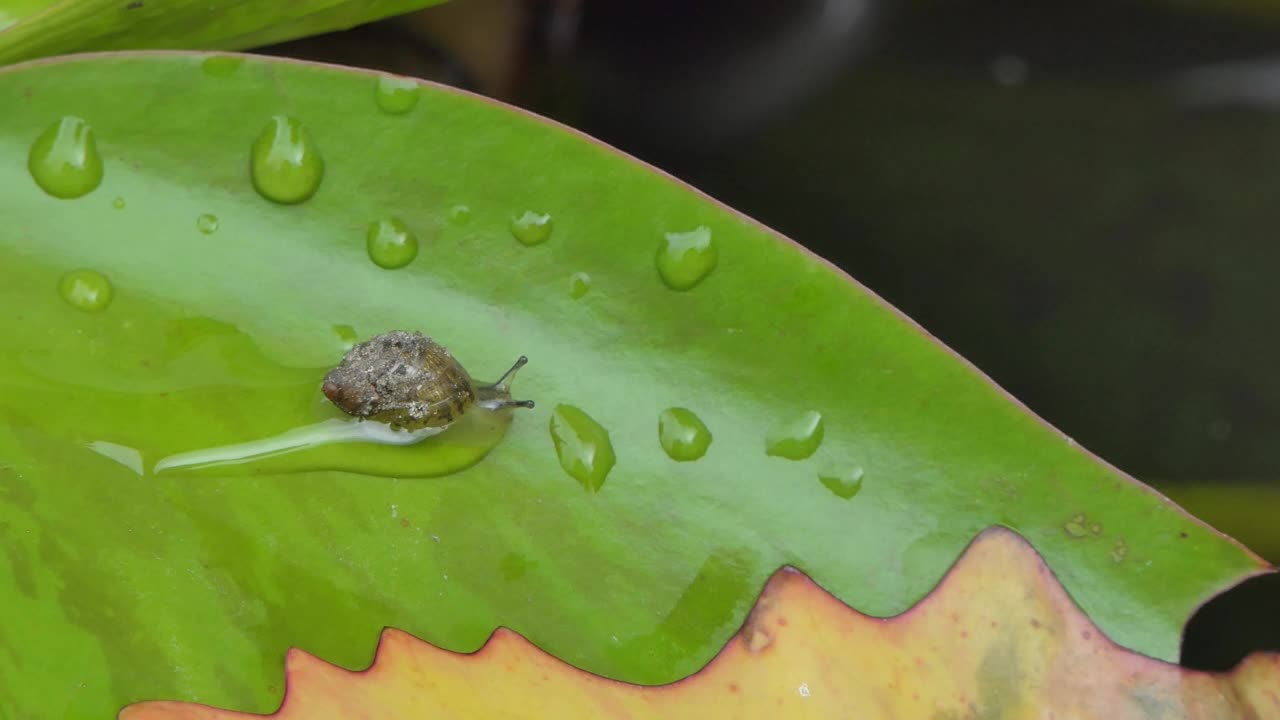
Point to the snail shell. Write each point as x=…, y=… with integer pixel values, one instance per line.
x=410, y=382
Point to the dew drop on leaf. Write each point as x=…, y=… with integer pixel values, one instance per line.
x=579, y=285
x=346, y=335
x=396, y=95
x=87, y=290
x=582, y=446
x=843, y=483
x=685, y=258
x=284, y=162
x=1119, y=551
x=391, y=244
x=460, y=214
x=64, y=159
x=221, y=65
x=531, y=228
x=682, y=434
x=1076, y=527
x=796, y=438
x=207, y=224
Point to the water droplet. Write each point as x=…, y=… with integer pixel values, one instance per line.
x=758, y=640
x=796, y=439
x=582, y=445
x=346, y=334
x=396, y=95
x=284, y=163
x=207, y=223
x=1076, y=527
x=685, y=258
x=64, y=159
x=682, y=434
x=391, y=244
x=1119, y=551
x=1096, y=528
x=460, y=214
x=803, y=690
x=842, y=483
x=221, y=65
x=86, y=290
x=579, y=285
x=118, y=203
x=531, y=228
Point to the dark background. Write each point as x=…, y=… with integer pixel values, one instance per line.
x=1083, y=197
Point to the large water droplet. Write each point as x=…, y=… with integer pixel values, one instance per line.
x=582, y=445
x=579, y=285
x=207, y=223
x=796, y=439
x=391, y=244
x=844, y=483
x=284, y=163
x=64, y=159
x=682, y=434
x=531, y=228
x=685, y=258
x=396, y=95
x=86, y=290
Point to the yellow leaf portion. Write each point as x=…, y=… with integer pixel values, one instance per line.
x=998, y=638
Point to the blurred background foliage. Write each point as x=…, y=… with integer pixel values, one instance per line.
x=1080, y=197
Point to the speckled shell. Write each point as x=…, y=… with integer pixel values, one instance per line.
x=403, y=379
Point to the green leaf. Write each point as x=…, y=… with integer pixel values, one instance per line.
x=37, y=28
x=122, y=583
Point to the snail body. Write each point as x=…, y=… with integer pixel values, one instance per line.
x=411, y=382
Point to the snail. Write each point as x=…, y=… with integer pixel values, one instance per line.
x=411, y=382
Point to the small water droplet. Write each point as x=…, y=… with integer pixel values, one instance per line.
x=460, y=214
x=758, y=640
x=396, y=95
x=1119, y=551
x=64, y=159
x=391, y=244
x=207, y=223
x=579, y=285
x=685, y=258
x=284, y=163
x=118, y=203
x=221, y=65
x=346, y=334
x=797, y=438
x=1096, y=528
x=682, y=434
x=531, y=228
x=86, y=290
x=803, y=690
x=582, y=445
x=842, y=483
x=1076, y=527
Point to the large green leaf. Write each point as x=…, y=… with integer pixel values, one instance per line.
x=119, y=583
x=36, y=28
